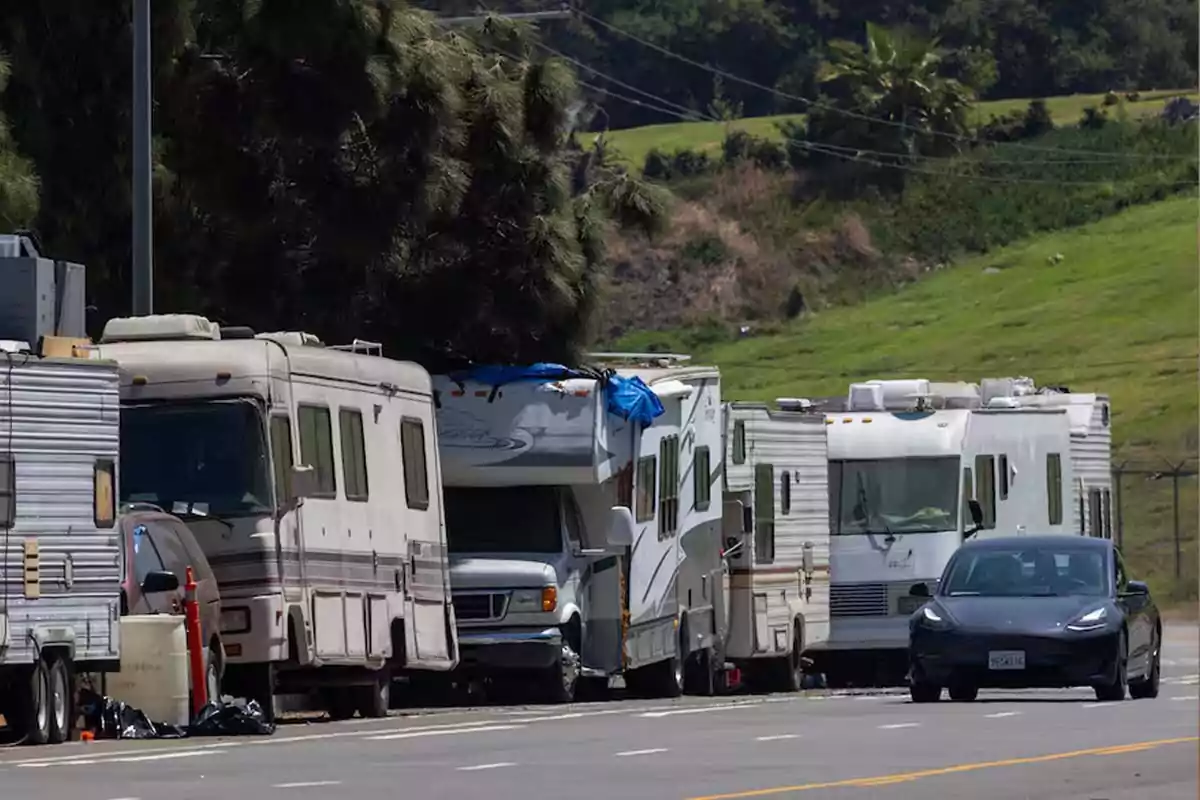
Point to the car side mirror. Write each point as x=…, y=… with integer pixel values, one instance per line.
x=620, y=528
x=304, y=481
x=1137, y=589
x=919, y=590
x=157, y=582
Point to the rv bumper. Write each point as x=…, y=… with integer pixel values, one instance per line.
x=254, y=629
x=523, y=648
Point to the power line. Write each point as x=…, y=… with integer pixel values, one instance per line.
x=808, y=101
x=975, y=364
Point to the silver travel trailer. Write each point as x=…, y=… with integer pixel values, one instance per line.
x=310, y=477
x=584, y=536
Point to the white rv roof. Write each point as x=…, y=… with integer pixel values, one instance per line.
x=883, y=434
x=653, y=375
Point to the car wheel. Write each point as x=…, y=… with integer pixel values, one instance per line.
x=963, y=693
x=921, y=692
x=1114, y=691
x=1147, y=688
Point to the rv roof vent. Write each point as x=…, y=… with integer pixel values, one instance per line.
x=293, y=338
x=1003, y=402
x=1006, y=387
x=360, y=346
x=159, y=328
x=794, y=404
x=236, y=332
x=865, y=397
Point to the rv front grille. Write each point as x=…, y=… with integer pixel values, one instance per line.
x=474, y=606
x=858, y=600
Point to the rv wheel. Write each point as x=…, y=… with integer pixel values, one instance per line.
x=564, y=676
x=37, y=705
x=59, y=699
x=376, y=698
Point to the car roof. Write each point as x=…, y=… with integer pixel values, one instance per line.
x=1037, y=541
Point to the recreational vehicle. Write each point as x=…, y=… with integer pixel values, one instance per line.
x=916, y=467
x=60, y=560
x=310, y=477
x=776, y=540
x=583, y=531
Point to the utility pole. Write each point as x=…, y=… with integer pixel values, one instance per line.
x=143, y=213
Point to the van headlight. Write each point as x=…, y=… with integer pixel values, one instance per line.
x=534, y=600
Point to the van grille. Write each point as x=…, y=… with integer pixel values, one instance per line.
x=858, y=600
x=479, y=605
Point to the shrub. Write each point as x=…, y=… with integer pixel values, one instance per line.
x=741, y=146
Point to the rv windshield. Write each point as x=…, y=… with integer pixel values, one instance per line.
x=207, y=458
x=893, y=495
x=510, y=519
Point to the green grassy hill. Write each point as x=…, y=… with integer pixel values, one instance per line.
x=632, y=144
x=1117, y=313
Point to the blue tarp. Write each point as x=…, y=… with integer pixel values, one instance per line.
x=628, y=398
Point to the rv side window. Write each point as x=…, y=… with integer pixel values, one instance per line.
x=967, y=496
x=625, y=487
x=354, y=454
x=701, y=479
x=764, y=514
x=1054, y=488
x=1095, y=514
x=416, y=475
x=104, y=497
x=647, y=467
x=282, y=457
x=8, y=491
x=316, y=448
x=1003, y=476
x=985, y=488
x=785, y=492
x=739, y=441
x=668, y=501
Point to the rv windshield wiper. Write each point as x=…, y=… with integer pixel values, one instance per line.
x=889, y=537
x=194, y=516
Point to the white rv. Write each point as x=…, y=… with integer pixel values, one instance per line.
x=584, y=535
x=310, y=477
x=915, y=467
x=60, y=558
x=776, y=539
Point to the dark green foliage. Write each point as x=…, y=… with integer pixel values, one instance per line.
x=1034, y=121
x=762, y=152
x=683, y=163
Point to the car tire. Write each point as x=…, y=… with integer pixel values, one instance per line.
x=1147, y=688
x=963, y=693
x=921, y=692
x=1114, y=692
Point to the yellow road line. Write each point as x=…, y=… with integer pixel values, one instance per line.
x=887, y=780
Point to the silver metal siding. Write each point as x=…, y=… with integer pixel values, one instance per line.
x=1091, y=461
x=57, y=418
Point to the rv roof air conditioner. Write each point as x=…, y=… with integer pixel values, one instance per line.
x=292, y=338
x=160, y=328
x=794, y=404
x=1006, y=387
x=865, y=397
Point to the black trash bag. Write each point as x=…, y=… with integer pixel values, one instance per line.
x=112, y=719
x=239, y=718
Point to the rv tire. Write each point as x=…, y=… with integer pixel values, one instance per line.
x=563, y=678
x=37, y=711
x=376, y=698
x=339, y=701
x=699, y=676
x=59, y=697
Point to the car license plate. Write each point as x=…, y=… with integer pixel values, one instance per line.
x=1006, y=659
x=908, y=604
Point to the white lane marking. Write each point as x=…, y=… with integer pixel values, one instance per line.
x=777, y=737
x=1001, y=714
x=497, y=765
x=641, y=752
x=1186, y=697
x=862, y=697
x=898, y=725
x=126, y=798
x=673, y=710
x=1102, y=704
x=99, y=759
x=305, y=784
x=389, y=737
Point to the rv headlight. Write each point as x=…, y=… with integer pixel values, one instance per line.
x=235, y=620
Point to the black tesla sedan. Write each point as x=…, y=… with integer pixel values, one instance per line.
x=1027, y=612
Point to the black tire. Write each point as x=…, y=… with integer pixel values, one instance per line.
x=663, y=679
x=212, y=675
x=60, y=699
x=790, y=669
x=1115, y=691
x=375, y=699
x=37, y=705
x=562, y=680
x=1147, y=688
x=339, y=702
x=924, y=692
x=699, y=676
x=963, y=693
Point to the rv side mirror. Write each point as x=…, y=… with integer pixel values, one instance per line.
x=976, y=512
x=304, y=481
x=919, y=590
x=157, y=582
x=620, y=530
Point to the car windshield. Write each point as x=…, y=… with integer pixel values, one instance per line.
x=510, y=519
x=1027, y=572
x=893, y=495
x=204, y=459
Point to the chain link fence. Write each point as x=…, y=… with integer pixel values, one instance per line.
x=1156, y=516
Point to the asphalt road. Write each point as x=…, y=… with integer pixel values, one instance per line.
x=1057, y=745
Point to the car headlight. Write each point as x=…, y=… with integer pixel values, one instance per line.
x=533, y=600
x=235, y=620
x=1093, y=620
x=931, y=616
